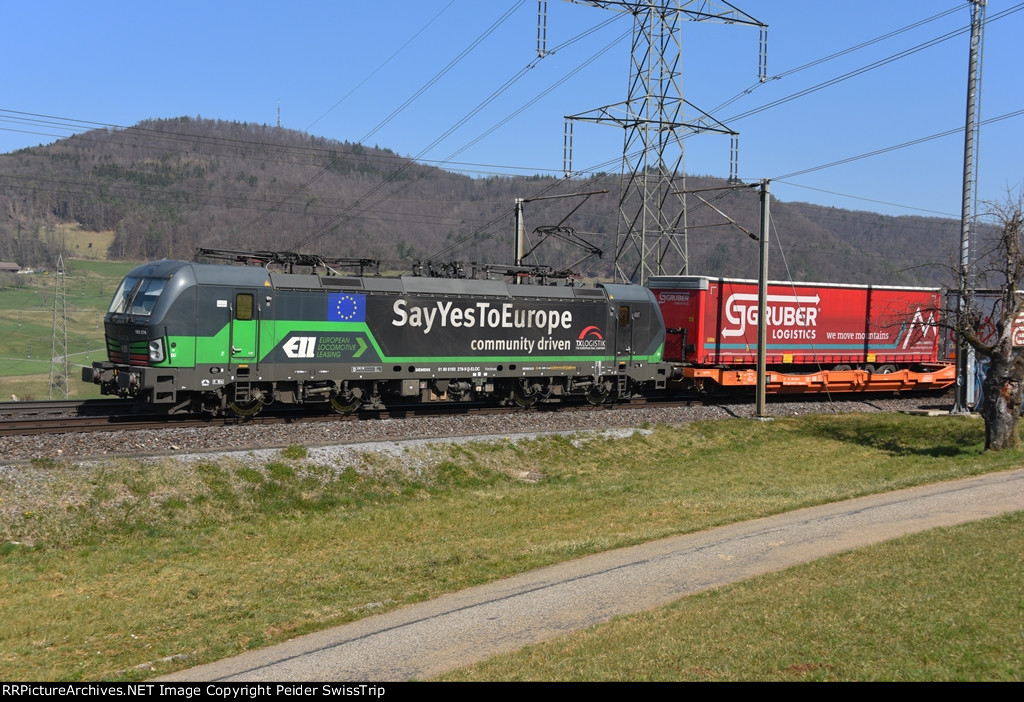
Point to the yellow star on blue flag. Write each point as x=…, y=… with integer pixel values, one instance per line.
x=346, y=307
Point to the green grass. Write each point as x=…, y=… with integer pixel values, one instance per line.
x=82, y=244
x=110, y=566
x=26, y=315
x=941, y=605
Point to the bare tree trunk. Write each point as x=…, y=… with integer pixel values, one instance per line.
x=1000, y=259
x=1004, y=386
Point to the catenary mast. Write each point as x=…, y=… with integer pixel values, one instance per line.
x=965, y=396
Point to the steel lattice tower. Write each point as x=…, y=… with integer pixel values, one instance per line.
x=59, y=342
x=651, y=237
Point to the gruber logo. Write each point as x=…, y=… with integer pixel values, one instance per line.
x=590, y=339
x=789, y=311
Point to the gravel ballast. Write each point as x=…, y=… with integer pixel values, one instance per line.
x=247, y=437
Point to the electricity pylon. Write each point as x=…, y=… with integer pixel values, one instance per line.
x=59, y=342
x=651, y=237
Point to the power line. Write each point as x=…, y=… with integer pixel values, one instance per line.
x=69, y=124
x=508, y=84
x=113, y=132
x=444, y=71
x=865, y=199
x=382, y=65
x=870, y=67
x=830, y=57
x=887, y=149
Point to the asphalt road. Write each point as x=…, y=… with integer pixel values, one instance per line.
x=430, y=638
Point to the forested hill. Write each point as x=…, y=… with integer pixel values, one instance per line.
x=164, y=187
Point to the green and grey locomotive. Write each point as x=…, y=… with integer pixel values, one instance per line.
x=187, y=337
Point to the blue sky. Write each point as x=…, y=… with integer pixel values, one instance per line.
x=375, y=73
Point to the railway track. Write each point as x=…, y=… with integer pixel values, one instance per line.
x=64, y=416
x=63, y=408
x=59, y=417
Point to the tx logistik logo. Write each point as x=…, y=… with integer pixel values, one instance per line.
x=590, y=339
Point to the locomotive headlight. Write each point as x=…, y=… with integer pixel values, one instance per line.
x=156, y=350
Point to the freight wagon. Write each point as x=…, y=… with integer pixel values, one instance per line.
x=820, y=337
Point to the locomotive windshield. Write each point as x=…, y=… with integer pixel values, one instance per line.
x=137, y=296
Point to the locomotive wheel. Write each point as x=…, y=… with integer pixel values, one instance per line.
x=345, y=406
x=246, y=409
x=522, y=399
x=597, y=395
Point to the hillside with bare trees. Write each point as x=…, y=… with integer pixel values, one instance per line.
x=165, y=187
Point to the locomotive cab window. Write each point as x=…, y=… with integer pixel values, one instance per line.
x=624, y=315
x=136, y=296
x=244, y=305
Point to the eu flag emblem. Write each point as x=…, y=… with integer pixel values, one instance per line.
x=346, y=307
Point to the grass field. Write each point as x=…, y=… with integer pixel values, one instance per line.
x=27, y=318
x=113, y=565
x=82, y=244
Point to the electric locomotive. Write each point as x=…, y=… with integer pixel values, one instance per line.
x=186, y=337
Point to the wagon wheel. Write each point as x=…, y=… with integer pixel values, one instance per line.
x=345, y=406
x=246, y=409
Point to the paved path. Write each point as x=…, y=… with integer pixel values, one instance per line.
x=468, y=626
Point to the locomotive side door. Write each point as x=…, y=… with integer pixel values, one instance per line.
x=624, y=333
x=244, y=327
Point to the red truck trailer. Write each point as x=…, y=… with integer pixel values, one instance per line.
x=821, y=336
